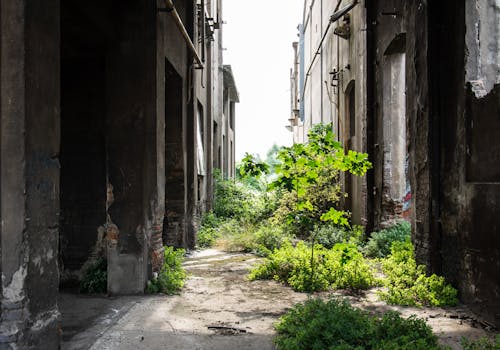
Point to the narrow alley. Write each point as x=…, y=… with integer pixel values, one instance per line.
x=122, y=125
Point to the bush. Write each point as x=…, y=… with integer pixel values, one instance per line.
x=207, y=237
x=95, y=279
x=379, y=244
x=407, y=283
x=348, y=269
x=328, y=235
x=208, y=232
x=335, y=325
x=340, y=267
x=232, y=199
x=309, y=175
x=172, y=275
x=481, y=343
x=270, y=237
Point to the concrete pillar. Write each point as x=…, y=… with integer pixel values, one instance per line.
x=134, y=216
x=29, y=182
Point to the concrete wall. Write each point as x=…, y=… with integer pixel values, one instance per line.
x=452, y=109
x=29, y=190
x=470, y=172
x=229, y=99
x=334, y=74
x=132, y=147
x=129, y=162
x=173, y=90
x=389, y=151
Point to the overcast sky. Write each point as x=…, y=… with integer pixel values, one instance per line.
x=258, y=37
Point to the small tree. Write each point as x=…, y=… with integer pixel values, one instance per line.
x=250, y=166
x=309, y=173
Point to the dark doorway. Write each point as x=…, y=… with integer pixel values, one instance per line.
x=173, y=230
x=83, y=157
x=349, y=134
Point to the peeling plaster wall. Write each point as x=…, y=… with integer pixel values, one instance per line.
x=483, y=45
x=465, y=100
x=481, y=198
x=130, y=115
x=29, y=107
x=389, y=136
x=453, y=127
x=131, y=146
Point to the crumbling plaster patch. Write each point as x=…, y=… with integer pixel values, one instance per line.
x=14, y=291
x=483, y=45
x=45, y=320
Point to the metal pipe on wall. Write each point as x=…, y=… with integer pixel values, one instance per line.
x=203, y=30
x=333, y=18
x=178, y=22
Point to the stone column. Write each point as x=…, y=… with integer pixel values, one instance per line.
x=29, y=182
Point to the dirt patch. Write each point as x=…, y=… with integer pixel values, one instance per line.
x=220, y=309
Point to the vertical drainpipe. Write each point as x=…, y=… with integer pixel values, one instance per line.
x=370, y=111
x=203, y=30
x=321, y=60
x=301, y=72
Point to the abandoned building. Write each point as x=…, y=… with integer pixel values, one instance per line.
x=230, y=98
x=415, y=84
x=328, y=62
x=113, y=117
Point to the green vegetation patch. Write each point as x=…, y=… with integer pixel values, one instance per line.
x=328, y=234
x=95, y=278
x=336, y=325
x=408, y=284
x=379, y=244
x=307, y=270
x=172, y=275
x=482, y=343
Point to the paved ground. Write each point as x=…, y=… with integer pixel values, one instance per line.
x=217, y=310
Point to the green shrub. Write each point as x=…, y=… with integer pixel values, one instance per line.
x=407, y=283
x=232, y=199
x=340, y=267
x=328, y=234
x=207, y=236
x=396, y=333
x=270, y=237
x=208, y=232
x=335, y=325
x=95, y=278
x=482, y=343
x=292, y=265
x=379, y=244
x=172, y=275
x=211, y=220
x=309, y=175
x=347, y=268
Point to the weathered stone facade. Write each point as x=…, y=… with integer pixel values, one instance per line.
x=328, y=80
x=106, y=136
x=452, y=110
x=427, y=107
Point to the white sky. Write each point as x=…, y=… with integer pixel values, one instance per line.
x=258, y=37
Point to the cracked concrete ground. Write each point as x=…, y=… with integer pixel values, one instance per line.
x=218, y=309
